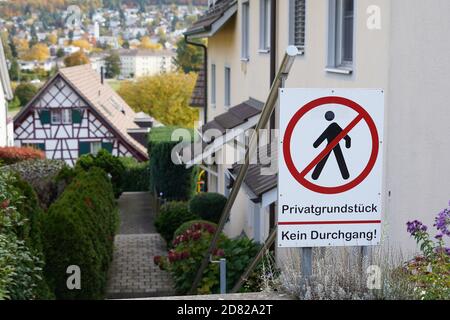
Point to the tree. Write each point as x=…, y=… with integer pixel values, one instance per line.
x=146, y=43
x=14, y=70
x=53, y=39
x=60, y=53
x=21, y=45
x=25, y=92
x=165, y=97
x=112, y=65
x=126, y=44
x=38, y=52
x=82, y=44
x=76, y=59
x=189, y=58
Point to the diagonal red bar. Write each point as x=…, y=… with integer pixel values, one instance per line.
x=331, y=145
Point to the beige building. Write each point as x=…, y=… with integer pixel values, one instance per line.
x=140, y=63
x=6, y=94
x=399, y=46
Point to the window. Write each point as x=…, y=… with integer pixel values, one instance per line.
x=67, y=116
x=95, y=147
x=61, y=116
x=297, y=13
x=264, y=26
x=213, y=85
x=227, y=86
x=341, y=34
x=245, y=30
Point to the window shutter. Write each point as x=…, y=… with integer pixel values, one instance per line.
x=84, y=148
x=77, y=116
x=44, y=116
x=41, y=146
x=107, y=146
x=298, y=8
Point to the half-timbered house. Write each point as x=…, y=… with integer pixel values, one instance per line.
x=77, y=113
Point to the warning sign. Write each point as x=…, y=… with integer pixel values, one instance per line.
x=330, y=167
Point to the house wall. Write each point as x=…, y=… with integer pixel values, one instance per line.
x=408, y=58
x=62, y=141
x=3, y=119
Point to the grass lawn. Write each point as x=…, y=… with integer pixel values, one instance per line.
x=114, y=84
x=164, y=134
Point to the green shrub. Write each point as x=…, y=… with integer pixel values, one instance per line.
x=175, y=182
x=172, y=215
x=208, y=206
x=21, y=259
x=79, y=230
x=41, y=174
x=184, y=260
x=187, y=225
x=136, y=176
x=110, y=164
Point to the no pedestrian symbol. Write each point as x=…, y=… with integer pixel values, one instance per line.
x=333, y=134
x=330, y=167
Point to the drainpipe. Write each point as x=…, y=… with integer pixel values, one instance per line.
x=273, y=53
x=205, y=68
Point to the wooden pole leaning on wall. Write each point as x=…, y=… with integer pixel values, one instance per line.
x=269, y=106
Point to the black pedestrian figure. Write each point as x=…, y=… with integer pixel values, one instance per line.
x=330, y=134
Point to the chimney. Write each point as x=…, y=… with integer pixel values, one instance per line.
x=102, y=74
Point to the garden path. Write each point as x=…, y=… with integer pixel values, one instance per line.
x=133, y=273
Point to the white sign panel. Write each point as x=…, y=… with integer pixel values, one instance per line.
x=330, y=167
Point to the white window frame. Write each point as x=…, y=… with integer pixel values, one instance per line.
x=66, y=116
x=245, y=28
x=336, y=62
x=95, y=147
x=53, y=118
x=227, y=91
x=264, y=26
x=292, y=24
x=213, y=85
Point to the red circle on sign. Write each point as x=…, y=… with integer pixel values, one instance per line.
x=288, y=137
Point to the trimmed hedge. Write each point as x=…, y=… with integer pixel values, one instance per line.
x=79, y=230
x=171, y=217
x=208, y=206
x=136, y=176
x=41, y=175
x=21, y=256
x=11, y=155
x=175, y=182
x=110, y=164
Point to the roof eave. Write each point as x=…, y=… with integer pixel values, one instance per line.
x=213, y=28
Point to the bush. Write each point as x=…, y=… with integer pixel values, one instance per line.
x=430, y=271
x=173, y=215
x=187, y=225
x=184, y=260
x=175, y=182
x=136, y=176
x=11, y=155
x=41, y=175
x=110, y=164
x=79, y=230
x=25, y=92
x=21, y=260
x=208, y=206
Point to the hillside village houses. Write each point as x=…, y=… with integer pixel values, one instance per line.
x=77, y=113
x=403, y=51
x=6, y=94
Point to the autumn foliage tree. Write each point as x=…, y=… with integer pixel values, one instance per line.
x=38, y=52
x=165, y=97
x=146, y=43
x=76, y=59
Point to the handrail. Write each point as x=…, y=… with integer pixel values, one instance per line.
x=269, y=107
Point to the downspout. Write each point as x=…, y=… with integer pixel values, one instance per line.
x=273, y=53
x=205, y=68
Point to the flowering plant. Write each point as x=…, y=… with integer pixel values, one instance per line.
x=189, y=247
x=431, y=270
